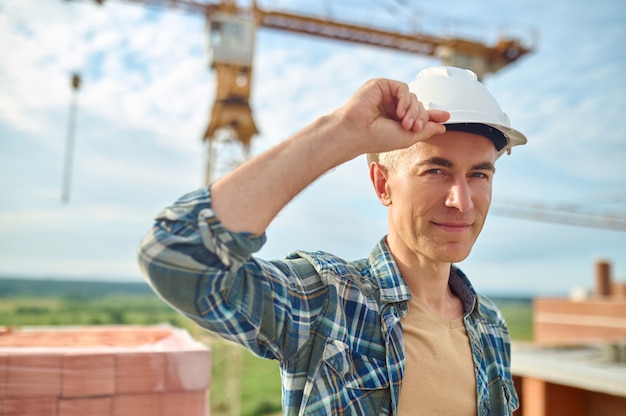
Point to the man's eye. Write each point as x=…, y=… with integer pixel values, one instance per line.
x=434, y=171
x=479, y=175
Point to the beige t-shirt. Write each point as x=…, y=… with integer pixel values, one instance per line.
x=439, y=378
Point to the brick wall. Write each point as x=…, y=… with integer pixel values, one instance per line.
x=103, y=371
x=564, y=321
x=541, y=398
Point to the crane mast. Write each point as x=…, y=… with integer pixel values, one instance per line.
x=232, y=29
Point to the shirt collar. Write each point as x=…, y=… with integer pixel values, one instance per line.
x=385, y=271
x=394, y=289
x=461, y=286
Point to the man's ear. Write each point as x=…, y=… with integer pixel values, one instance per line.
x=378, y=176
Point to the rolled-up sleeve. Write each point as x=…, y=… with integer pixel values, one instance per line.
x=209, y=274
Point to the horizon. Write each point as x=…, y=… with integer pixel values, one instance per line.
x=135, y=281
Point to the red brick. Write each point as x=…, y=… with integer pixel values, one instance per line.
x=606, y=405
x=92, y=406
x=142, y=372
x=138, y=405
x=46, y=406
x=619, y=291
x=188, y=370
x=590, y=307
x=533, y=397
x=517, y=381
x=547, y=333
x=88, y=374
x=561, y=321
x=190, y=403
x=33, y=375
x=541, y=398
x=118, y=336
x=4, y=362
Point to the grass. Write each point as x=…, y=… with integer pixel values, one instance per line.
x=236, y=373
x=139, y=310
x=261, y=388
x=519, y=318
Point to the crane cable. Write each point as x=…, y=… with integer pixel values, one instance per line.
x=75, y=81
x=565, y=213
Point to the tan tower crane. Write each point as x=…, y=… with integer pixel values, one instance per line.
x=232, y=29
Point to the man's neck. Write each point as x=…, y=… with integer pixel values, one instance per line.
x=427, y=281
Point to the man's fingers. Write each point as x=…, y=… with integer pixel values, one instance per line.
x=438, y=116
x=390, y=103
x=412, y=113
x=415, y=116
x=428, y=117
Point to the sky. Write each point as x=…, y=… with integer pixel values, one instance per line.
x=145, y=101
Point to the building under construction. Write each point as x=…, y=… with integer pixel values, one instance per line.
x=576, y=364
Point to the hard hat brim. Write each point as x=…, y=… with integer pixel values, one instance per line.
x=495, y=135
x=503, y=137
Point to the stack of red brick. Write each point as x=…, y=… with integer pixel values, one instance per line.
x=103, y=371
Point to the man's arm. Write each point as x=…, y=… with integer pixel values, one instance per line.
x=381, y=116
x=198, y=254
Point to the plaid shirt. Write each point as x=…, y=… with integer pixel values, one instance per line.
x=334, y=326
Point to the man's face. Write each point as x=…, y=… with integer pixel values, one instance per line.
x=438, y=196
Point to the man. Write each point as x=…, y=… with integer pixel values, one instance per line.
x=401, y=332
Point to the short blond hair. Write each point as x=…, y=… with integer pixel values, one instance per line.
x=390, y=160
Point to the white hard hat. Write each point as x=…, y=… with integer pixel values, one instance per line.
x=472, y=108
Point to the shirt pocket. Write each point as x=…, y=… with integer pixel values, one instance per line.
x=356, y=371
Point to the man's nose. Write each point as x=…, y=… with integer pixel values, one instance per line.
x=460, y=196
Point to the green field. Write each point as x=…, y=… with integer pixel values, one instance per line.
x=242, y=384
x=519, y=317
